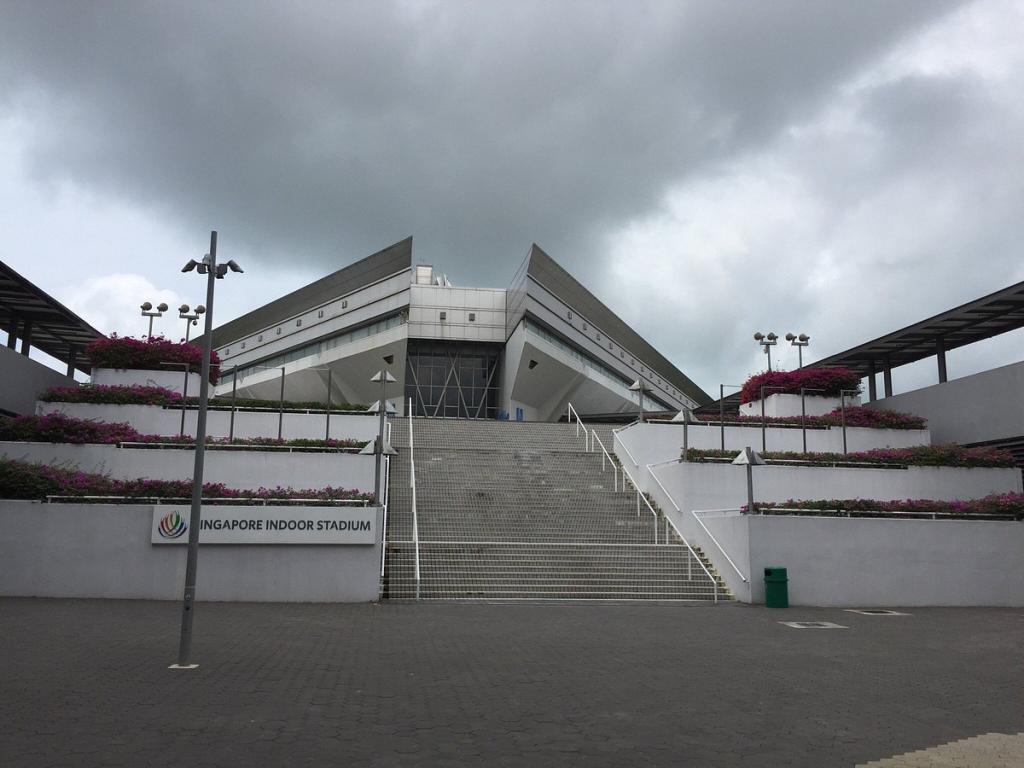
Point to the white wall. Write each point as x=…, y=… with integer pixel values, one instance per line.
x=169, y=379
x=790, y=405
x=688, y=487
x=156, y=420
x=695, y=486
x=426, y=302
x=861, y=562
x=100, y=550
x=972, y=409
x=650, y=443
x=245, y=470
x=23, y=379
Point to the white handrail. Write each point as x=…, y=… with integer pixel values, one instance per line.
x=615, y=436
x=608, y=456
x=699, y=521
x=415, y=519
x=679, y=533
x=384, y=505
x=579, y=423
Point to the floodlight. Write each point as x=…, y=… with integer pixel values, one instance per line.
x=161, y=307
x=190, y=265
x=790, y=337
x=233, y=266
x=804, y=337
x=758, y=336
x=772, y=337
x=200, y=309
x=748, y=456
x=183, y=309
x=146, y=306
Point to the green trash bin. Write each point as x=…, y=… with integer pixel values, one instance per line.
x=776, y=588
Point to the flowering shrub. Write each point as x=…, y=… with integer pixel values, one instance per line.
x=919, y=456
x=224, y=401
x=996, y=505
x=856, y=416
x=138, y=394
x=58, y=428
x=831, y=380
x=22, y=480
x=253, y=442
x=147, y=354
x=103, y=394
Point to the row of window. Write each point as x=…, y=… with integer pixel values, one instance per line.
x=317, y=347
x=279, y=329
x=622, y=355
x=597, y=365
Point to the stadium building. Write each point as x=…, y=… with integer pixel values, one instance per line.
x=521, y=353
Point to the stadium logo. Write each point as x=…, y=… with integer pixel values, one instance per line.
x=172, y=525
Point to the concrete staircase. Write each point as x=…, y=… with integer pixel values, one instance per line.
x=519, y=510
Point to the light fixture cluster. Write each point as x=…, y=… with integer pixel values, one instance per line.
x=203, y=267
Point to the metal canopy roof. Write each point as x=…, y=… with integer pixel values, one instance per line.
x=56, y=330
x=976, y=320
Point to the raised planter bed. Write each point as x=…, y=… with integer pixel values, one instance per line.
x=788, y=406
x=168, y=379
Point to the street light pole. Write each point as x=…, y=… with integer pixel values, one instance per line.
x=799, y=342
x=213, y=272
x=147, y=311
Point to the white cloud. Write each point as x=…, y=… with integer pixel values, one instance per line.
x=112, y=304
x=897, y=199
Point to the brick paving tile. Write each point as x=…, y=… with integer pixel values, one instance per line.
x=85, y=683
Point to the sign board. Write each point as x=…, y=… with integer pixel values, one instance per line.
x=267, y=525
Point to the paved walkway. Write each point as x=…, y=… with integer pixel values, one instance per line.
x=85, y=683
x=993, y=750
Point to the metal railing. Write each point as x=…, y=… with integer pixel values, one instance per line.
x=386, y=493
x=616, y=438
x=219, y=500
x=669, y=522
x=415, y=519
x=605, y=456
x=650, y=470
x=580, y=425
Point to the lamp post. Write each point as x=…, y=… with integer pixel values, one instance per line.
x=842, y=410
x=639, y=386
x=764, y=419
x=379, y=447
x=213, y=271
x=192, y=319
x=147, y=308
x=799, y=342
x=685, y=416
x=721, y=408
x=749, y=458
x=803, y=412
x=767, y=341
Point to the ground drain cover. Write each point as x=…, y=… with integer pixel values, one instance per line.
x=875, y=612
x=813, y=625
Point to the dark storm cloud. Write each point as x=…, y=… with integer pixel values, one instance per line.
x=323, y=131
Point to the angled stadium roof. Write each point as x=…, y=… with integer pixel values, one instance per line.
x=546, y=271
x=379, y=265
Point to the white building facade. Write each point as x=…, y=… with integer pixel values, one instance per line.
x=521, y=353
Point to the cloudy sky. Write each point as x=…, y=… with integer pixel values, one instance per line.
x=708, y=169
